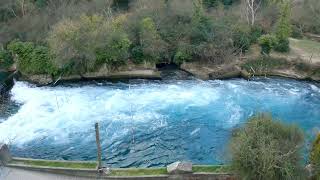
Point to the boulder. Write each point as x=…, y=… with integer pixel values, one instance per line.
x=5, y=155
x=179, y=168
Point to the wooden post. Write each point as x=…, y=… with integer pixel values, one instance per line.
x=98, y=145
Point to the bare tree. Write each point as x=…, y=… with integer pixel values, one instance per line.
x=250, y=10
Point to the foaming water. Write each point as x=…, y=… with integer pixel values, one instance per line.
x=151, y=123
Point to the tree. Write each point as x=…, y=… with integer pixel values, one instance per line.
x=267, y=42
x=315, y=156
x=6, y=59
x=32, y=59
x=153, y=47
x=267, y=149
x=283, y=28
x=251, y=8
x=74, y=42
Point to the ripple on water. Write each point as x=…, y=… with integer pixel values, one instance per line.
x=151, y=123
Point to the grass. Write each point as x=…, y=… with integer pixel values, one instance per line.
x=138, y=172
x=163, y=171
x=118, y=171
x=308, y=46
x=61, y=164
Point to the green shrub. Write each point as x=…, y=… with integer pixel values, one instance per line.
x=115, y=53
x=255, y=34
x=31, y=58
x=267, y=149
x=153, y=47
x=6, y=59
x=137, y=54
x=315, y=156
x=296, y=32
x=282, y=45
x=182, y=54
x=267, y=42
x=74, y=42
x=283, y=29
x=242, y=37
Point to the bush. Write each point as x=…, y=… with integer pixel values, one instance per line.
x=267, y=42
x=6, y=59
x=315, y=156
x=153, y=47
x=242, y=37
x=297, y=32
x=137, y=54
x=74, y=42
x=115, y=53
x=32, y=59
x=267, y=149
x=282, y=45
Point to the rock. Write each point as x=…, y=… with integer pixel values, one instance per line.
x=5, y=155
x=226, y=73
x=245, y=74
x=38, y=79
x=179, y=168
x=309, y=169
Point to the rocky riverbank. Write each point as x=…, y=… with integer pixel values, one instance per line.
x=299, y=64
x=131, y=71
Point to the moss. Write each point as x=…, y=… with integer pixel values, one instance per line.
x=62, y=164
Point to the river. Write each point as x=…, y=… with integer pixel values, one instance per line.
x=149, y=123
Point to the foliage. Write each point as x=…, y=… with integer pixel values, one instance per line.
x=201, y=27
x=307, y=16
x=6, y=59
x=215, y=3
x=115, y=52
x=267, y=42
x=82, y=34
x=244, y=36
x=267, y=149
x=153, y=47
x=283, y=29
x=74, y=42
x=182, y=54
x=264, y=64
x=31, y=58
x=296, y=32
x=282, y=45
x=315, y=156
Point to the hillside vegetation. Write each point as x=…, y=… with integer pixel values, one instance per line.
x=55, y=37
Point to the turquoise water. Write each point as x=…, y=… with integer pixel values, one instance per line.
x=149, y=123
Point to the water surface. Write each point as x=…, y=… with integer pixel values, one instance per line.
x=149, y=123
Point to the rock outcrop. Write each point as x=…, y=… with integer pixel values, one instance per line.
x=179, y=168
